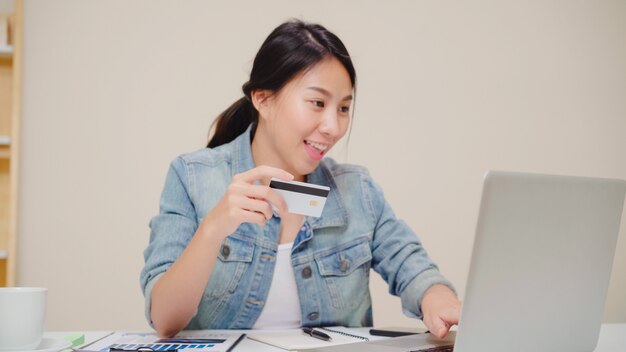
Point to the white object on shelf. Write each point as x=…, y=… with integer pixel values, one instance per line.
x=3, y=254
x=6, y=50
x=5, y=140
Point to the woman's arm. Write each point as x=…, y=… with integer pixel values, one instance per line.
x=171, y=309
x=404, y=263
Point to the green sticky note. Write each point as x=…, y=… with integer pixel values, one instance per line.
x=75, y=339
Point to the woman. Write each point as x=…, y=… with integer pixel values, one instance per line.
x=224, y=252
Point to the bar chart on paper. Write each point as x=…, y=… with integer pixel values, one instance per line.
x=195, y=341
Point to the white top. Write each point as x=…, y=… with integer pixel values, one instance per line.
x=282, y=308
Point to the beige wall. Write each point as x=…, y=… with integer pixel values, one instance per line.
x=7, y=6
x=113, y=90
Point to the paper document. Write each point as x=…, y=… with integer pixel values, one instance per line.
x=296, y=340
x=191, y=340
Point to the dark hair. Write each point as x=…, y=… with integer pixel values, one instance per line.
x=291, y=48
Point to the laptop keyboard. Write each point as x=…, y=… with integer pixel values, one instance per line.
x=437, y=349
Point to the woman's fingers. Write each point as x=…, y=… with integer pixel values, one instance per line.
x=262, y=173
x=260, y=192
x=246, y=201
x=267, y=194
x=258, y=206
x=439, y=328
x=252, y=216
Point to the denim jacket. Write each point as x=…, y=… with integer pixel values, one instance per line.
x=332, y=255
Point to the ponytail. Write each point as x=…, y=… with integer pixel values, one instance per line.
x=233, y=122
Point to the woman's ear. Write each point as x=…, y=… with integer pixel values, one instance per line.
x=261, y=100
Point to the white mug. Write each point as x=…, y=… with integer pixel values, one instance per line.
x=22, y=315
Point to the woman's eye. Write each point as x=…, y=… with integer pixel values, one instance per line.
x=344, y=109
x=318, y=103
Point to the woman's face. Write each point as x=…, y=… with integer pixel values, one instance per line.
x=304, y=120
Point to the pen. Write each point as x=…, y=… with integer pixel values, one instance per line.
x=317, y=334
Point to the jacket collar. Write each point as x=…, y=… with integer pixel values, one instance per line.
x=242, y=153
x=334, y=213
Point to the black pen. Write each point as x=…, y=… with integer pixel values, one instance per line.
x=317, y=334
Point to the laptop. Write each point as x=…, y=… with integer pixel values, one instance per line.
x=539, y=271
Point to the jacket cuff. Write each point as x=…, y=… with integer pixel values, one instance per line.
x=414, y=293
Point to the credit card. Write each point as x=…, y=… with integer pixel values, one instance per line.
x=302, y=198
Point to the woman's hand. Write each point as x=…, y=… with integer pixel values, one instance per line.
x=245, y=201
x=441, y=309
x=172, y=308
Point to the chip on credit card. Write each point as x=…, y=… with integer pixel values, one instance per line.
x=302, y=198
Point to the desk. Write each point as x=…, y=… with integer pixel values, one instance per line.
x=612, y=339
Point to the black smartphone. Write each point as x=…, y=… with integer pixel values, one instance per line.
x=395, y=332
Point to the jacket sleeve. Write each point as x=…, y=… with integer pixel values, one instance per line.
x=398, y=255
x=170, y=230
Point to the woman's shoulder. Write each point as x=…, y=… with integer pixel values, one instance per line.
x=206, y=156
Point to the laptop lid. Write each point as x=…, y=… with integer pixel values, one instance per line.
x=541, y=263
x=540, y=267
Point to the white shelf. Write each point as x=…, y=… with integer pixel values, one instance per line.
x=5, y=140
x=3, y=254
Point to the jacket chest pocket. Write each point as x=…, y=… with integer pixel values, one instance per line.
x=233, y=260
x=345, y=273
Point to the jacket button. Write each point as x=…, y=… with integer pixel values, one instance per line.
x=306, y=272
x=313, y=316
x=344, y=265
x=225, y=251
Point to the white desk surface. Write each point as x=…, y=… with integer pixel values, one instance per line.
x=612, y=339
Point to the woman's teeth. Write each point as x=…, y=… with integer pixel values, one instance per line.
x=320, y=147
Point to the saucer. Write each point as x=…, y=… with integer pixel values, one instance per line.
x=48, y=344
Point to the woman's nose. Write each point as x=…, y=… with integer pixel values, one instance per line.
x=330, y=125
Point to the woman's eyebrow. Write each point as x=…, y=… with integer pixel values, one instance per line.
x=327, y=93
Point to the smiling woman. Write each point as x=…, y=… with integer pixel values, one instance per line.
x=229, y=239
x=304, y=120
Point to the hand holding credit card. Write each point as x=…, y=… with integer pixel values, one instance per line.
x=302, y=198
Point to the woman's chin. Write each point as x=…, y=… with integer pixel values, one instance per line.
x=309, y=168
